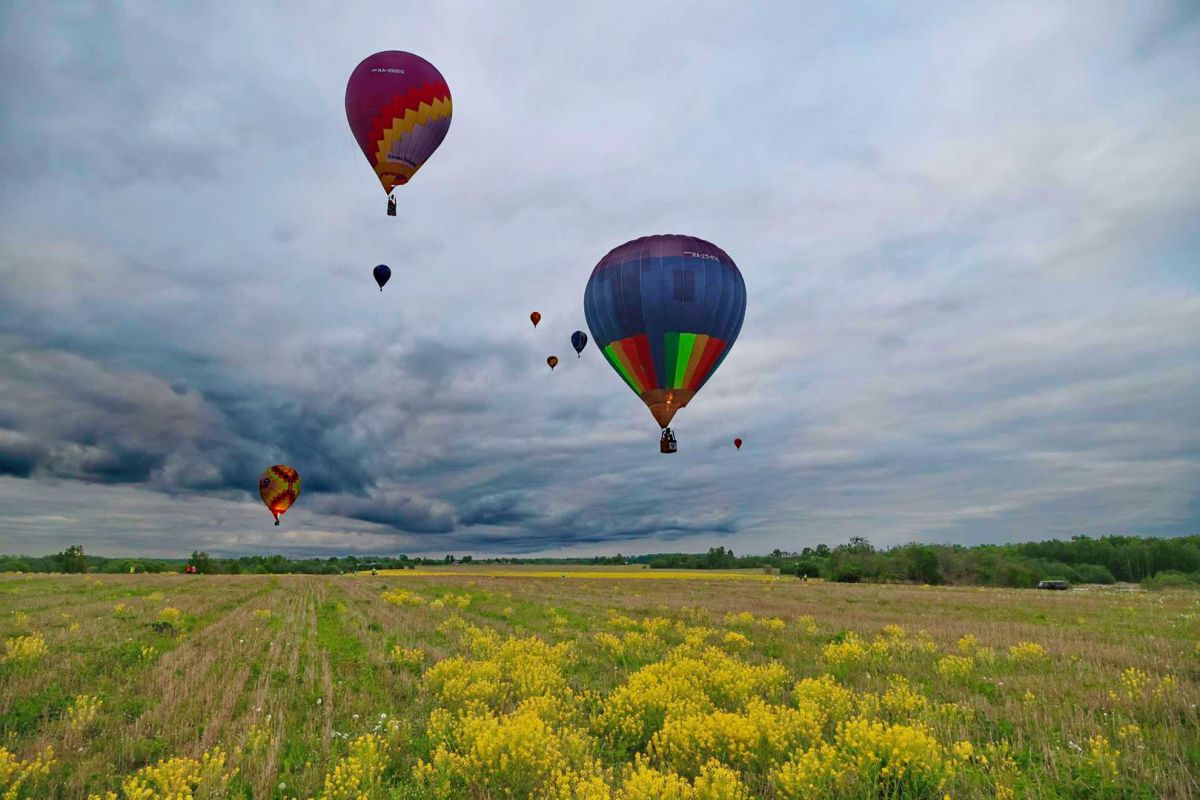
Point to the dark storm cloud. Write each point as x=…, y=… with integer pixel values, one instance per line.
x=968, y=236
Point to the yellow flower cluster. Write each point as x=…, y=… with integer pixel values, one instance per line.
x=1027, y=652
x=501, y=677
x=176, y=779
x=83, y=712
x=20, y=620
x=258, y=736
x=148, y=652
x=408, y=657
x=355, y=775
x=746, y=619
x=868, y=758
x=686, y=681
x=955, y=667
x=401, y=597
x=457, y=600
x=736, y=640
x=849, y=651
x=120, y=610
x=894, y=640
x=826, y=693
x=807, y=624
x=1135, y=681
x=262, y=613
x=755, y=738
x=18, y=776
x=513, y=755
x=901, y=701
x=1130, y=730
x=171, y=617
x=25, y=650
x=1136, y=684
x=1103, y=757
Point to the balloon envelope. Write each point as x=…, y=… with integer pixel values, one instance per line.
x=279, y=487
x=398, y=106
x=579, y=341
x=665, y=311
x=737, y=443
x=382, y=274
x=535, y=318
x=552, y=361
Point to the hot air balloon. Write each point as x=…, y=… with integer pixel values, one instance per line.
x=382, y=274
x=398, y=106
x=552, y=361
x=578, y=341
x=665, y=311
x=535, y=318
x=279, y=487
x=737, y=443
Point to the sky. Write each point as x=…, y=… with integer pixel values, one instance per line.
x=970, y=235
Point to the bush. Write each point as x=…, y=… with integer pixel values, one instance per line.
x=804, y=568
x=921, y=565
x=848, y=572
x=1094, y=573
x=1170, y=579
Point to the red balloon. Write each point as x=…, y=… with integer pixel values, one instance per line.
x=535, y=318
x=399, y=107
x=737, y=443
x=552, y=361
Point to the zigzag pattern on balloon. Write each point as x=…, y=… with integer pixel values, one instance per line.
x=402, y=117
x=409, y=101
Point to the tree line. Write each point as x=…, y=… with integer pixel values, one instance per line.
x=1082, y=559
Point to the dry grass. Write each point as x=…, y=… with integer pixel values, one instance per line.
x=287, y=674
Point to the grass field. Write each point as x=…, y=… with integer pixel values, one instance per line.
x=484, y=683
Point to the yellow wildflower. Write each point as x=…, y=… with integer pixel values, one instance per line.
x=25, y=650
x=1027, y=652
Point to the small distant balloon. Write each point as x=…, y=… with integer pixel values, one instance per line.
x=535, y=318
x=579, y=341
x=737, y=443
x=279, y=487
x=552, y=361
x=382, y=275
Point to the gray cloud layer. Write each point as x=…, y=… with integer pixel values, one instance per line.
x=969, y=237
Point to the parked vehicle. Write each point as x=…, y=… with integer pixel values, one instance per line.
x=1053, y=585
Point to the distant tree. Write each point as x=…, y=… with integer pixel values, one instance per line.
x=73, y=560
x=466, y=559
x=1094, y=573
x=921, y=564
x=822, y=551
x=858, y=544
x=848, y=572
x=449, y=559
x=203, y=563
x=805, y=568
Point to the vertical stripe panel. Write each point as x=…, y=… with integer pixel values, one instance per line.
x=686, y=342
x=694, y=359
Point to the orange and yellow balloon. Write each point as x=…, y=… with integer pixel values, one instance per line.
x=279, y=487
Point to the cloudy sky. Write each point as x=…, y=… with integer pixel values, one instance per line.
x=970, y=236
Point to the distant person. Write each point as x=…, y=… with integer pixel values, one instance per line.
x=391, y=205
